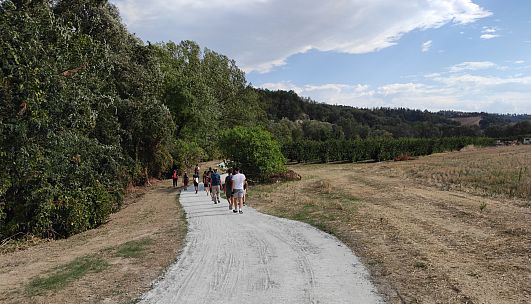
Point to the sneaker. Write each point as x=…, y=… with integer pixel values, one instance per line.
x=234, y=211
x=215, y=202
x=241, y=212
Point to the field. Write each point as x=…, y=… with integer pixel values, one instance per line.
x=446, y=228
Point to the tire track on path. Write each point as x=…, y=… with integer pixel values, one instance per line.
x=257, y=258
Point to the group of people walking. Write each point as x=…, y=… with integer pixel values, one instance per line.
x=235, y=190
x=235, y=186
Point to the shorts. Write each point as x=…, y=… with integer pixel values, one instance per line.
x=237, y=193
x=196, y=184
x=215, y=190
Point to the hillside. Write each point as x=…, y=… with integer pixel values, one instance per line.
x=300, y=117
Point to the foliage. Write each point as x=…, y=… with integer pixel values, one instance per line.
x=79, y=116
x=316, y=119
x=253, y=150
x=377, y=149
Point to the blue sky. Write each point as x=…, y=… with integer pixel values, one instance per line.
x=465, y=55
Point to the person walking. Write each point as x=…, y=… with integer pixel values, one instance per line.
x=196, y=181
x=185, y=181
x=215, y=179
x=175, y=178
x=228, y=187
x=245, y=188
x=206, y=182
x=238, y=180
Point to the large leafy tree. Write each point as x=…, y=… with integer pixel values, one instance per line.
x=78, y=118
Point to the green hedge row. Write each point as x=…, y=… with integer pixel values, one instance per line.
x=377, y=149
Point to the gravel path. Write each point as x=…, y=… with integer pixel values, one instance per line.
x=256, y=258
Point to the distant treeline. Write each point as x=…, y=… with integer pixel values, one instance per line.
x=376, y=149
x=293, y=118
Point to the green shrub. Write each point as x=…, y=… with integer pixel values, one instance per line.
x=253, y=150
x=375, y=149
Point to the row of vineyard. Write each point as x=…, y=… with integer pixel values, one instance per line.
x=378, y=149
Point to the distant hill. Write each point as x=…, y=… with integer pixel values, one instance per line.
x=468, y=121
x=305, y=118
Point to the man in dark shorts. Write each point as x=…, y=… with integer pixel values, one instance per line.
x=228, y=187
x=215, y=182
x=196, y=182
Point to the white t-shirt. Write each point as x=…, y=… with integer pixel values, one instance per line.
x=238, y=181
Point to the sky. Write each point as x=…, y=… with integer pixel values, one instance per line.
x=463, y=55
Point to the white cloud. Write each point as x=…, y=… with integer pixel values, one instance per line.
x=472, y=66
x=426, y=46
x=456, y=92
x=489, y=29
x=488, y=36
x=262, y=34
x=489, y=32
x=473, y=81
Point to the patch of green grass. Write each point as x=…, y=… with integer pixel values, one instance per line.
x=66, y=274
x=305, y=212
x=133, y=249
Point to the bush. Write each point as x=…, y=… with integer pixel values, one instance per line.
x=253, y=150
x=375, y=149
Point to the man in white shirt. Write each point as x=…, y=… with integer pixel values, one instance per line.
x=238, y=180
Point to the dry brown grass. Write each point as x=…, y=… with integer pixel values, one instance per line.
x=431, y=230
x=504, y=172
x=115, y=263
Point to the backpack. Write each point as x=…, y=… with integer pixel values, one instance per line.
x=216, y=179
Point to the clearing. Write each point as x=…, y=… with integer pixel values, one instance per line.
x=446, y=228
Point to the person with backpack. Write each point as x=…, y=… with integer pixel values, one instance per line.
x=175, y=178
x=196, y=181
x=196, y=169
x=228, y=187
x=185, y=181
x=206, y=182
x=216, y=185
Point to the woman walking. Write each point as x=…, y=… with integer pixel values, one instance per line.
x=206, y=182
x=175, y=178
x=185, y=181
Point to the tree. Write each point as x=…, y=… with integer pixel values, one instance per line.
x=253, y=150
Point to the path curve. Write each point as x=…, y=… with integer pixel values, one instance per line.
x=257, y=258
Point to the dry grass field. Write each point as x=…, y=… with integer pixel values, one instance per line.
x=446, y=228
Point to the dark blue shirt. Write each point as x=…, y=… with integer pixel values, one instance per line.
x=216, y=179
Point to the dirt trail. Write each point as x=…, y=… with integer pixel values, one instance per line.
x=256, y=258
